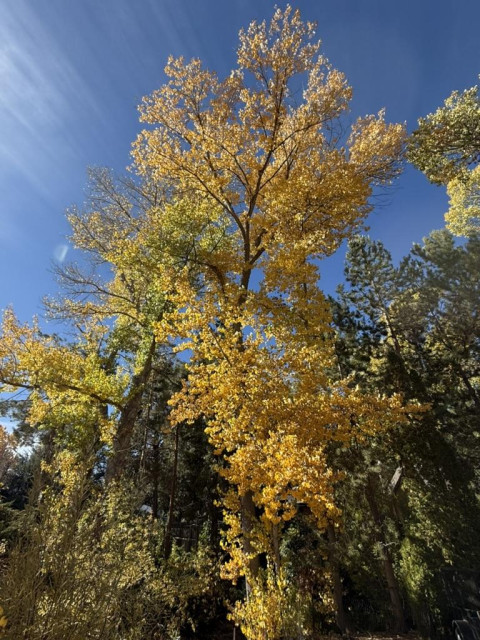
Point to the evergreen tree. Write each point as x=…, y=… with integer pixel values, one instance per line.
x=414, y=329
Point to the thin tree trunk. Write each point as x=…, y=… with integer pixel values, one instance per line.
x=167, y=547
x=212, y=511
x=248, y=519
x=155, y=476
x=143, y=455
x=248, y=514
x=340, y=613
x=392, y=584
x=276, y=547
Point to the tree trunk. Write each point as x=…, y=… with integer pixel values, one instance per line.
x=248, y=519
x=126, y=424
x=213, y=515
x=248, y=514
x=155, y=475
x=340, y=613
x=392, y=584
x=167, y=546
x=276, y=547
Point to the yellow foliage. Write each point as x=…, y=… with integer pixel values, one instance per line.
x=277, y=191
x=68, y=387
x=463, y=217
x=7, y=451
x=260, y=189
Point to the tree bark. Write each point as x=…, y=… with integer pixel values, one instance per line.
x=276, y=547
x=155, y=476
x=340, y=613
x=248, y=519
x=167, y=546
x=126, y=424
x=392, y=584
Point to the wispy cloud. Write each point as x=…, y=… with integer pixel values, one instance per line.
x=60, y=252
x=38, y=80
x=40, y=92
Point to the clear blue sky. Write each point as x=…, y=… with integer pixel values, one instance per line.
x=73, y=71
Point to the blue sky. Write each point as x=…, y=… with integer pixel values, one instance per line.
x=73, y=71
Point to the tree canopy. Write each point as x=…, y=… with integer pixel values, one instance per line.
x=446, y=147
x=286, y=468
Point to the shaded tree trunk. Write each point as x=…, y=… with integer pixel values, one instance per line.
x=248, y=519
x=276, y=547
x=167, y=546
x=340, y=614
x=392, y=583
x=126, y=424
x=155, y=475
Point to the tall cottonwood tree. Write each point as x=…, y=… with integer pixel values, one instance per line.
x=262, y=175
x=244, y=185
